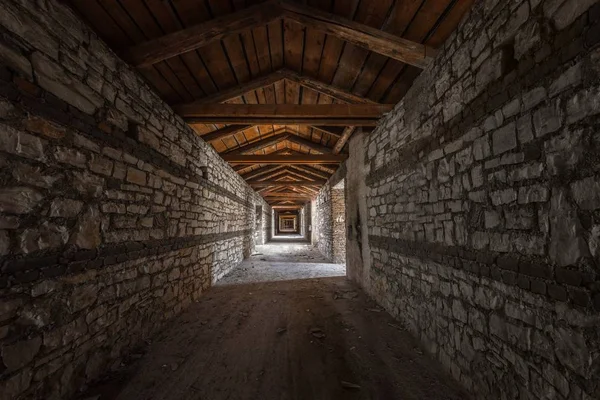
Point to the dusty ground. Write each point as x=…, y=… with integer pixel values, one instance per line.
x=292, y=339
x=283, y=261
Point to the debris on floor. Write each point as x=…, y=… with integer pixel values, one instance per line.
x=349, y=385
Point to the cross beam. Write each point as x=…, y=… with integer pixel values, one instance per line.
x=283, y=159
x=286, y=183
x=285, y=114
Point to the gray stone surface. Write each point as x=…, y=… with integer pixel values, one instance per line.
x=489, y=257
x=104, y=235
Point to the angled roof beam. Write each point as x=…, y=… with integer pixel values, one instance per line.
x=309, y=143
x=342, y=141
x=262, y=171
x=185, y=40
x=280, y=136
x=298, y=175
x=327, y=89
x=311, y=171
x=360, y=35
x=188, y=39
x=274, y=77
x=224, y=132
x=283, y=159
x=237, y=91
x=285, y=114
x=330, y=130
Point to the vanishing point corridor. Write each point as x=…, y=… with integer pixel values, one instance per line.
x=299, y=199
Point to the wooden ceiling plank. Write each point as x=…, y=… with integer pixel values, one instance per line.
x=261, y=171
x=260, y=144
x=224, y=132
x=311, y=171
x=173, y=44
x=351, y=63
x=276, y=76
x=360, y=35
x=310, y=144
x=327, y=89
x=278, y=159
x=330, y=130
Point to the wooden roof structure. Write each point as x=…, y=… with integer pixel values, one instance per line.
x=277, y=87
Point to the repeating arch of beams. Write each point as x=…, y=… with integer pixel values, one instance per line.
x=236, y=126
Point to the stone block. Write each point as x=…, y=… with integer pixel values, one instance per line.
x=17, y=355
x=547, y=119
x=569, y=11
x=567, y=243
x=586, y=193
x=504, y=139
x=87, y=184
x=568, y=79
x=21, y=144
x=57, y=81
x=43, y=236
x=4, y=243
x=136, y=176
x=101, y=165
x=70, y=156
x=533, y=194
x=504, y=196
x=65, y=208
x=533, y=98
x=44, y=127
x=19, y=200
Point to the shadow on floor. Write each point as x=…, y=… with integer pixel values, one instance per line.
x=301, y=339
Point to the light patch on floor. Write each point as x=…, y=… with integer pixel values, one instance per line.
x=282, y=261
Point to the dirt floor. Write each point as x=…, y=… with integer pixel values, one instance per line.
x=285, y=339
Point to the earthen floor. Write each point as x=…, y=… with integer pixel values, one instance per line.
x=267, y=332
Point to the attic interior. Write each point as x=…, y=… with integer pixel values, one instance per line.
x=300, y=199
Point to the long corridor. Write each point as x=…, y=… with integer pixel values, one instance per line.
x=283, y=325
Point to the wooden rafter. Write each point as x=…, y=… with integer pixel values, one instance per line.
x=224, y=132
x=237, y=91
x=337, y=149
x=279, y=136
x=287, y=183
x=185, y=40
x=287, y=195
x=327, y=89
x=330, y=130
x=194, y=37
x=279, y=159
x=285, y=114
x=360, y=35
x=303, y=176
x=312, y=171
x=274, y=77
x=262, y=171
x=309, y=143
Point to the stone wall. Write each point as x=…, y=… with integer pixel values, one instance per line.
x=483, y=202
x=338, y=213
x=114, y=215
x=323, y=234
x=306, y=222
x=264, y=229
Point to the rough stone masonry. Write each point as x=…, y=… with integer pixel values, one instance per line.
x=114, y=215
x=483, y=202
